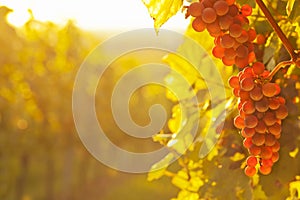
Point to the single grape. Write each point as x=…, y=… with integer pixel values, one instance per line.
x=250, y=171
x=275, y=129
x=235, y=30
x=250, y=121
x=267, y=162
x=274, y=103
x=254, y=150
x=281, y=112
x=247, y=143
x=230, y=53
x=275, y=157
x=241, y=62
x=243, y=37
x=247, y=84
x=248, y=107
x=261, y=127
x=269, y=89
x=256, y=94
x=225, y=22
x=218, y=52
x=251, y=34
x=260, y=39
x=262, y=105
x=270, y=118
x=239, y=122
x=258, y=68
x=258, y=139
x=244, y=95
x=246, y=10
x=228, y=62
x=233, y=10
x=195, y=9
x=227, y=41
x=266, y=152
x=198, y=24
x=251, y=161
x=209, y=15
x=234, y=82
x=248, y=132
x=265, y=170
x=221, y=7
x=269, y=140
x=242, y=51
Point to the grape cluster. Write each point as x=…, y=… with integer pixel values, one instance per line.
x=261, y=110
x=229, y=25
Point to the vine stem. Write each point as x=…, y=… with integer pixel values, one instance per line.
x=278, y=67
x=277, y=29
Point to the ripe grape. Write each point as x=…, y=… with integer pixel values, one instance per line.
x=242, y=51
x=247, y=84
x=269, y=89
x=251, y=34
x=265, y=170
x=260, y=39
x=281, y=112
x=198, y=24
x=266, y=152
x=275, y=129
x=209, y=15
x=250, y=171
x=246, y=10
x=261, y=127
x=239, y=122
x=256, y=94
x=235, y=30
x=225, y=21
x=250, y=121
x=262, y=105
x=258, y=68
x=248, y=132
x=269, y=140
x=251, y=161
x=227, y=41
x=248, y=107
x=221, y=7
x=195, y=9
x=234, y=82
x=258, y=139
x=230, y=53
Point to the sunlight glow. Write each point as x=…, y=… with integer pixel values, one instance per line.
x=89, y=14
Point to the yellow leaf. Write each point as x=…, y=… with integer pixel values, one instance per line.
x=158, y=169
x=162, y=10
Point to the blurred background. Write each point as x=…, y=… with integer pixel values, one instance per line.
x=42, y=45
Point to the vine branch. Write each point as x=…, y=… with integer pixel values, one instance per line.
x=277, y=29
x=278, y=67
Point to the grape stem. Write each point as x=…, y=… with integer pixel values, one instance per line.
x=295, y=56
x=278, y=67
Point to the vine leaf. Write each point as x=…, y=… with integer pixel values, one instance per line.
x=162, y=10
x=159, y=168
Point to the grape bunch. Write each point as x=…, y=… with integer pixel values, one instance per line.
x=229, y=25
x=261, y=110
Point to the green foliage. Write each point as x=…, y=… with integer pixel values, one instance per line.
x=162, y=10
x=220, y=174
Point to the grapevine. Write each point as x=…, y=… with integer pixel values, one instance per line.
x=261, y=108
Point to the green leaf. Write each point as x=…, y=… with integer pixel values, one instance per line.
x=162, y=10
x=294, y=12
x=158, y=169
x=289, y=6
